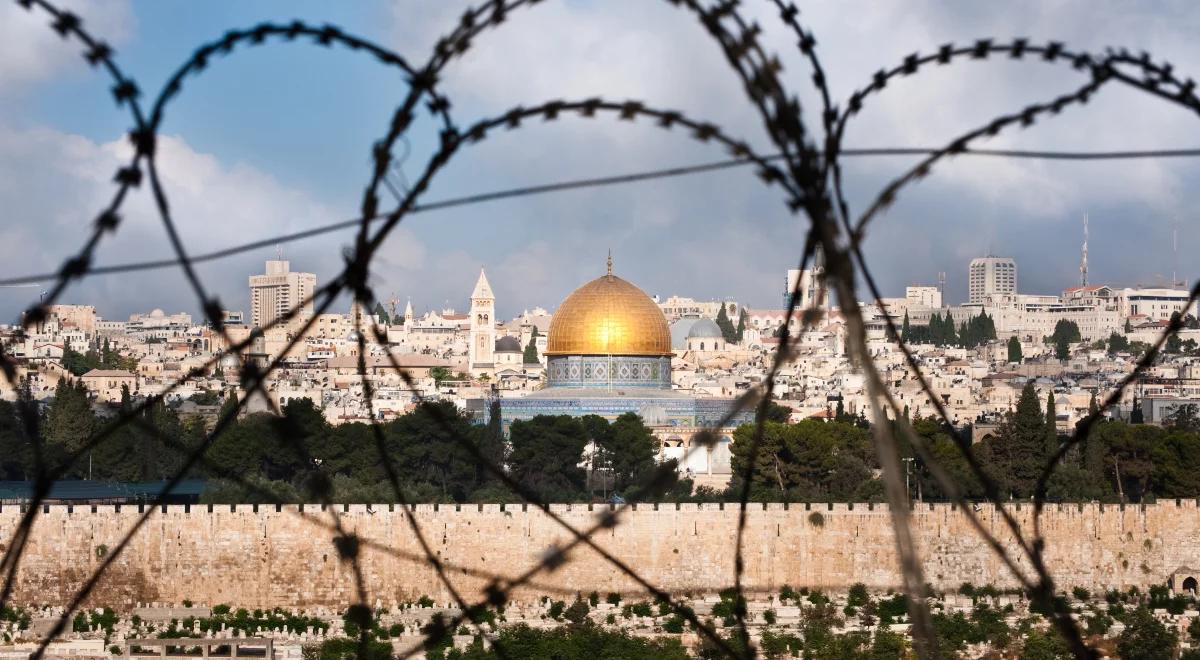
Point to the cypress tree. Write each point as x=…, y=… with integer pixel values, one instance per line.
x=904, y=329
x=741, y=327
x=1051, y=423
x=726, y=326
x=1023, y=444
x=381, y=314
x=1014, y=350
x=531, y=353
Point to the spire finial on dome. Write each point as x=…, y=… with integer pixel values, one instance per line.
x=610, y=262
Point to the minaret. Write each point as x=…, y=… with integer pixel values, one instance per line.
x=1083, y=278
x=483, y=327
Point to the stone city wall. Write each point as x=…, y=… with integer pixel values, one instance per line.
x=264, y=556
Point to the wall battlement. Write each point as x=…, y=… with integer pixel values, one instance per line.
x=268, y=555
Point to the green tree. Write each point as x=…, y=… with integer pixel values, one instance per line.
x=440, y=374
x=1128, y=326
x=545, y=457
x=1174, y=345
x=727, y=330
x=1117, y=343
x=1017, y=454
x=1051, y=424
x=15, y=456
x=1184, y=417
x=381, y=314
x=70, y=420
x=1065, y=333
x=1062, y=348
x=1045, y=645
x=1014, y=350
x=629, y=450
x=584, y=640
x=905, y=327
x=1144, y=638
x=808, y=461
x=531, y=352
x=230, y=407
x=429, y=449
x=741, y=327
x=492, y=444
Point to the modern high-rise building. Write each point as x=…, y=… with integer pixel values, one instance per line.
x=991, y=276
x=279, y=290
x=809, y=284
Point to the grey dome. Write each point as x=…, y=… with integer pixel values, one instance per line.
x=705, y=328
x=508, y=345
x=679, y=333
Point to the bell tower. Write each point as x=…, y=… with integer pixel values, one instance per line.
x=483, y=327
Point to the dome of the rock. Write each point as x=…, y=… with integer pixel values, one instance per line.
x=608, y=316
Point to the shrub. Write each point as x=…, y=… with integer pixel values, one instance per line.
x=336, y=649
x=892, y=608
x=816, y=519
x=556, y=609
x=220, y=610
x=577, y=612
x=187, y=603
x=396, y=630
x=1081, y=594
x=987, y=591
x=1100, y=623
x=674, y=625
x=101, y=551
x=787, y=593
x=114, y=649
x=642, y=609
x=858, y=595
x=613, y=598
x=967, y=589
x=769, y=617
x=593, y=599
x=424, y=601
x=611, y=619
x=1145, y=638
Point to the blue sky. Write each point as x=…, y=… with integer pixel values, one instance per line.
x=276, y=139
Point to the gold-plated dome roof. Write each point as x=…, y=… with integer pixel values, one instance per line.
x=608, y=316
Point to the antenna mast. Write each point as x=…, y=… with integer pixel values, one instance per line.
x=1083, y=268
x=1175, y=250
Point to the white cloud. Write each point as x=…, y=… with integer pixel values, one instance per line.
x=56, y=183
x=31, y=52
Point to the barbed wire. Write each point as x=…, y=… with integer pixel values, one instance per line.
x=806, y=170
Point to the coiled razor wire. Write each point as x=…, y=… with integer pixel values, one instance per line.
x=804, y=165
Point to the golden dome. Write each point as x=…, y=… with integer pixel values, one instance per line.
x=608, y=316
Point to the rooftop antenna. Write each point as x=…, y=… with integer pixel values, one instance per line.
x=1175, y=249
x=279, y=252
x=942, y=282
x=610, y=262
x=1083, y=274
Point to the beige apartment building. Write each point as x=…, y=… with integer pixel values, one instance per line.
x=279, y=290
